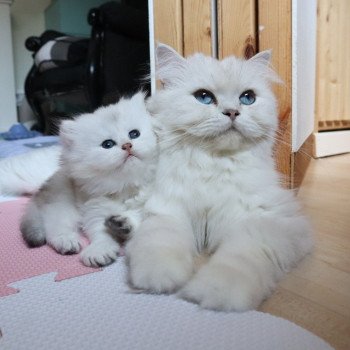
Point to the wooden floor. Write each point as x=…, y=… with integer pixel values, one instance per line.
x=316, y=295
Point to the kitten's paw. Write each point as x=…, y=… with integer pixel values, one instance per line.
x=119, y=227
x=222, y=287
x=65, y=244
x=100, y=253
x=159, y=270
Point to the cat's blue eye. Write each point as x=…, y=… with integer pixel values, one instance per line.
x=134, y=134
x=247, y=97
x=108, y=144
x=204, y=96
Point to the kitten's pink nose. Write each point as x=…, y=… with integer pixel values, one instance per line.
x=127, y=147
x=231, y=113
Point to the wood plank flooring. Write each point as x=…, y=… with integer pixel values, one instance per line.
x=316, y=295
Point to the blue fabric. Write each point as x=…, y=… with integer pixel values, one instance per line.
x=16, y=147
x=19, y=131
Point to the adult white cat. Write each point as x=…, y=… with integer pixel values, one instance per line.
x=217, y=191
x=108, y=158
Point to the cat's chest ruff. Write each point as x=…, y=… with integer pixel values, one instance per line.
x=203, y=178
x=212, y=171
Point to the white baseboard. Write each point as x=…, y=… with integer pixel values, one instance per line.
x=331, y=142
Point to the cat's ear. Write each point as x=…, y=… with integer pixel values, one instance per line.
x=139, y=97
x=169, y=64
x=67, y=132
x=263, y=57
x=263, y=60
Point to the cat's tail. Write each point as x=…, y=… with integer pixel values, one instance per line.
x=32, y=227
x=25, y=173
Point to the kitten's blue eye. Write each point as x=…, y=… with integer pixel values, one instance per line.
x=204, y=96
x=247, y=97
x=108, y=144
x=134, y=134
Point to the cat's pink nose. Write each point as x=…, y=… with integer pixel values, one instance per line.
x=127, y=146
x=231, y=113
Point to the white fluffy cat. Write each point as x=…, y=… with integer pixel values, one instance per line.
x=25, y=173
x=108, y=159
x=217, y=192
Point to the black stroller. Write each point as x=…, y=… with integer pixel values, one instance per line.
x=73, y=75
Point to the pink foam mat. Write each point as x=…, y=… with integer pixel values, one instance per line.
x=18, y=262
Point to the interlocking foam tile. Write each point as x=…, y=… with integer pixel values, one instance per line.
x=18, y=262
x=98, y=312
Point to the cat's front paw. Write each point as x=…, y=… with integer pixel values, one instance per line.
x=224, y=288
x=159, y=270
x=65, y=244
x=100, y=253
x=119, y=227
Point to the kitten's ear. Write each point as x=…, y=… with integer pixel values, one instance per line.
x=168, y=64
x=67, y=131
x=263, y=57
x=139, y=97
x=139, y=101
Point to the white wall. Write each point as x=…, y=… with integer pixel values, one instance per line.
x=27, y=17
x=304, y=21
x=23, y=26
x=8, y=114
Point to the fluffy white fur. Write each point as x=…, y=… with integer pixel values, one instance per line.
x=95, y=183
x=217, y=192
x=25, y=173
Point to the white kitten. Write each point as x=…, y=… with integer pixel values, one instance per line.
x=108, y=159
x=217, y=192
